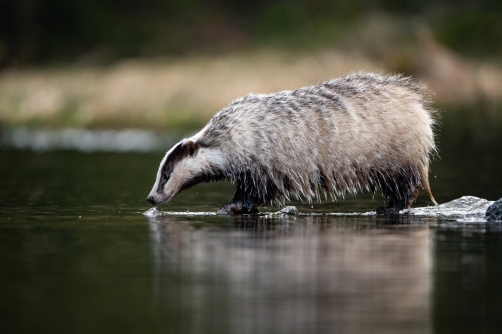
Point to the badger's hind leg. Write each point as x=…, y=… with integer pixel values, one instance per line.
x=396, y=203
x=400, y=191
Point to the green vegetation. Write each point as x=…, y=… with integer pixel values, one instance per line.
x=99, y=32
x=477, y=126
x=173, y=64
x=475, y=31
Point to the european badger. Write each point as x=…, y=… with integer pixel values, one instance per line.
x=356, y=132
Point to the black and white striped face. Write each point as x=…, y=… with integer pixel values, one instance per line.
x=184, y=166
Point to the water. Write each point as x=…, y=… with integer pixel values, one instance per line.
x=77, y=255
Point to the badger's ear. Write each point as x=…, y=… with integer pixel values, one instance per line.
x=189, y=147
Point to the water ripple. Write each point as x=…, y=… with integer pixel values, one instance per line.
x=469, y=209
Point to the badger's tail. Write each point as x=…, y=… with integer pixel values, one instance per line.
x=424, y=175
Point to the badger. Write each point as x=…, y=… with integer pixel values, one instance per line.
x=359, y=132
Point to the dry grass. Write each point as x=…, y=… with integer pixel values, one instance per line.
x=173, y=93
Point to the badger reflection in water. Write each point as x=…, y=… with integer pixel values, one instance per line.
x=305, y=275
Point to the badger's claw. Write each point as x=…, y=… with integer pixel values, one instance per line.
x=236, y=208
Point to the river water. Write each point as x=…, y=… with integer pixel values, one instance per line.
x=77, y=255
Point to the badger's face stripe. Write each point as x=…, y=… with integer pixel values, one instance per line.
x=167, y=165
x=183, y=149
x=189, y=162
x=164, y=177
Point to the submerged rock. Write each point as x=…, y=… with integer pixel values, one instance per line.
x=289, y=211
x=284, y=212
x=494, y=212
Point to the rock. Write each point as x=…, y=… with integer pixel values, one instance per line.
x=494, y=212
x=223, y=212
x=289, y=211
x=465, y=207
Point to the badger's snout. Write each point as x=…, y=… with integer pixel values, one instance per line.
x=150, y=200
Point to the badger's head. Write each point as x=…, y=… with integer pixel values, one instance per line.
x=185, y=165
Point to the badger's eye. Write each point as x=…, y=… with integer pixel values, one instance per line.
x=165, y=178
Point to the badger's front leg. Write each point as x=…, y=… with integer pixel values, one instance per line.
x=243, y=203
x=237, y=208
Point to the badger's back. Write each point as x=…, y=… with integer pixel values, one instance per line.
x=339, y=136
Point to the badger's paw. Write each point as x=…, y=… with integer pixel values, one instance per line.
x=388, y=210
x=236, y=208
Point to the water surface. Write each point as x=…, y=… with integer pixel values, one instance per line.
x=78, y=256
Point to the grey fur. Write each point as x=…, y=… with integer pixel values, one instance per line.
x=357, y=132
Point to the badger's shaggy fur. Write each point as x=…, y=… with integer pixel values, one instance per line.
x=357, y=132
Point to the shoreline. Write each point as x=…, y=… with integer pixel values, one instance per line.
x=184, y=93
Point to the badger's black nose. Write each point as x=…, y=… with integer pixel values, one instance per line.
x=150, y=200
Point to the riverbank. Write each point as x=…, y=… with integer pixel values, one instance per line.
x=174, y=93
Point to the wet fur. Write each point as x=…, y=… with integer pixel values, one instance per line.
x=361, y=131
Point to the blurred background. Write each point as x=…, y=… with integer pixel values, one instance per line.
x=94, y=92
x=136, y=76
x=170, y=65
